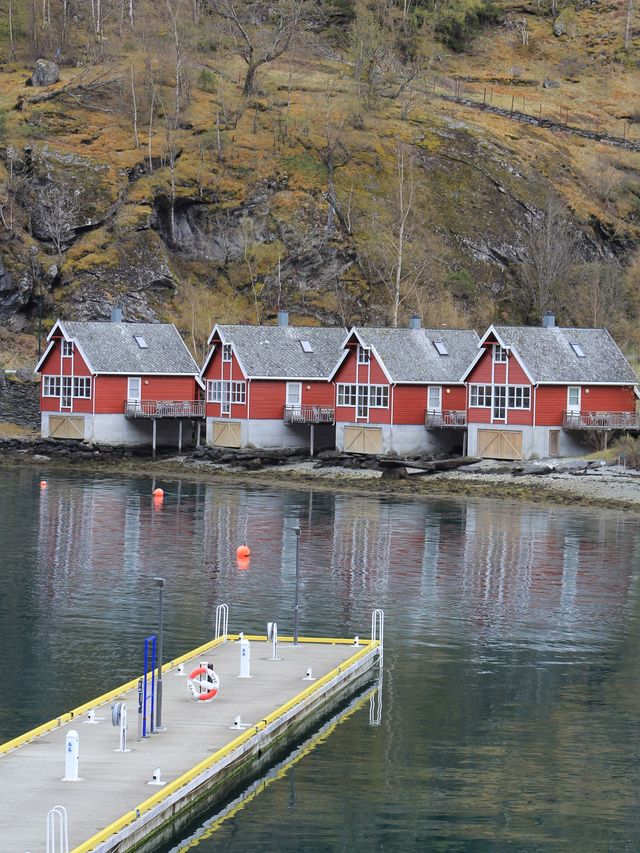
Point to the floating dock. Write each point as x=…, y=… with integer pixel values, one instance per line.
x=142, y=798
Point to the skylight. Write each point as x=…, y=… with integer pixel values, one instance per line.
x=141, y=342
x=578, y=350
x=441, y=347
x=306, y=346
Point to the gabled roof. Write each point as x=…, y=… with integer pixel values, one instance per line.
x=276, y=352
x=547, y=354
x=411, y=355
x=112, y=347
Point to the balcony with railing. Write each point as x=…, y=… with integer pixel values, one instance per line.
x=447, y=419
x=164, y=408
x=309, y=415
x=601, y=420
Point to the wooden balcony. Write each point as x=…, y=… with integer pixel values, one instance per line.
x=601, y=420
x=164, y=409
x=309, y=415
x=435, y=419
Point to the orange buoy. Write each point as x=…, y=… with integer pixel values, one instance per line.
x=158, y=493
x=243, y=551
x=43, y=484
x=243, y=563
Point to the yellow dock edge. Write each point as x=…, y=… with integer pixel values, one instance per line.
x=123, y=688
x=127, y=818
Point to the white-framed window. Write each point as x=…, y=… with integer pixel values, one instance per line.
x=82, y=387
x=134, y=389
x=362, y=409
x=573, y=398
x=225, y=391
x=50, y=386
x=214, y=391
x=66, y=392
x=294, y=394
x=519, y=397
x=378, y=396
x=364, y=355
x=67, y=349
x=346, y=395
x=226, y=352
x=499, y=354
x=480, y=396
x=238, y=392
x=434, y=398
x=500, y=402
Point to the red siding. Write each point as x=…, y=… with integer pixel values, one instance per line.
x=218, y=370
x=517, y=376
x=456, y=399
x=478, y=416
x=409, y=404
x=347, y=370
x=552, y=401
x=56, y=365
x=318, y=394
x=481, y=373
x=267, y=399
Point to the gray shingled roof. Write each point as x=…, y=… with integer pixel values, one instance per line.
x=276, y=351
x=548, y=356
x=410, y=355
x=112, y=348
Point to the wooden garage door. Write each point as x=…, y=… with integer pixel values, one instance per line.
x=359, y=439
x=226, y=434
x=66, y=426
x=499, y=444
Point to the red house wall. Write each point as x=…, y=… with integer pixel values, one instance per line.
x=111, y=391
x=56, y=365
x=367, y=374
x=230, y=371
x=409, y=404
x=552, y=401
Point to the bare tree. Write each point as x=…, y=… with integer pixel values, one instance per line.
x=59, y=214
x=627, y=25
x=247, y=235
x=392, y=255
x=552, y=248
x=262, y=31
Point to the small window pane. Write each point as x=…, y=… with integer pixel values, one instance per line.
x=306, y=346
x=141, y=342
x=441, y=347
x=578, y=350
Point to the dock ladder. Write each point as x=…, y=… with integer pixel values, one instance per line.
x=377, y=631
x=57, y=842
x=222, y=621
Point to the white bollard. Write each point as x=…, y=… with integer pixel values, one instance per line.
x=71, y=756
x=156, y=779
x=245, y=659
x=272, y=634
x=92, y=720
x=180, y=670
x=309, y=675
x=356, y=640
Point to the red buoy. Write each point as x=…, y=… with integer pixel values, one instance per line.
x=243, y=563
x=43, y=484
x=158, y=493
x=243, y=551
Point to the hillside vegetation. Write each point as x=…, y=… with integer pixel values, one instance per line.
x=215, y=160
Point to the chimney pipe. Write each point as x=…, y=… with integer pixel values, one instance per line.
x=116, y=315
x=415, y=322
x=283, y=318
x=548, y=320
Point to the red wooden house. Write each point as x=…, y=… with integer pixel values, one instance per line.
x=268, y=386
x=540, y=391
x=401, y=389
x=118, y=383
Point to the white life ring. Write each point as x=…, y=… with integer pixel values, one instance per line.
x=203, y=684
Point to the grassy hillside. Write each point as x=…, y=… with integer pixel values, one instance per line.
x=208, y=204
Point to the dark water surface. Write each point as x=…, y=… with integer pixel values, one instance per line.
x=511, y=706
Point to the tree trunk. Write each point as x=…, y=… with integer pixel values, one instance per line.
x=249, y=80
x=135, y=109
x=11, y=41
x=627, y=26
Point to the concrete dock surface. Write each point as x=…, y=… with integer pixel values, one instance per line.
x=112, y=783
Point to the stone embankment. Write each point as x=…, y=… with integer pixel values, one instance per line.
x=19, y=398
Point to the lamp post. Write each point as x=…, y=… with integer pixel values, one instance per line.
x=296, y=606
x=160, y=583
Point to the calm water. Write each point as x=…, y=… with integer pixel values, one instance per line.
x=511, y=706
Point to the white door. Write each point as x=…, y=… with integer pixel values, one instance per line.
x=573, y=399
x=294, y=395
x=134, y=389
x=434, y=400
x=65, y=392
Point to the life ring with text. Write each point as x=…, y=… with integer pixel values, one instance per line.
x=203, y=684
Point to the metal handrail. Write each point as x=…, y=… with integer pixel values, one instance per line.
x=377, y=631
x=600, y=420
x=309, y=414
x=222, y=621
x=164, y=408
x=57, y=820
x=446, y=418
